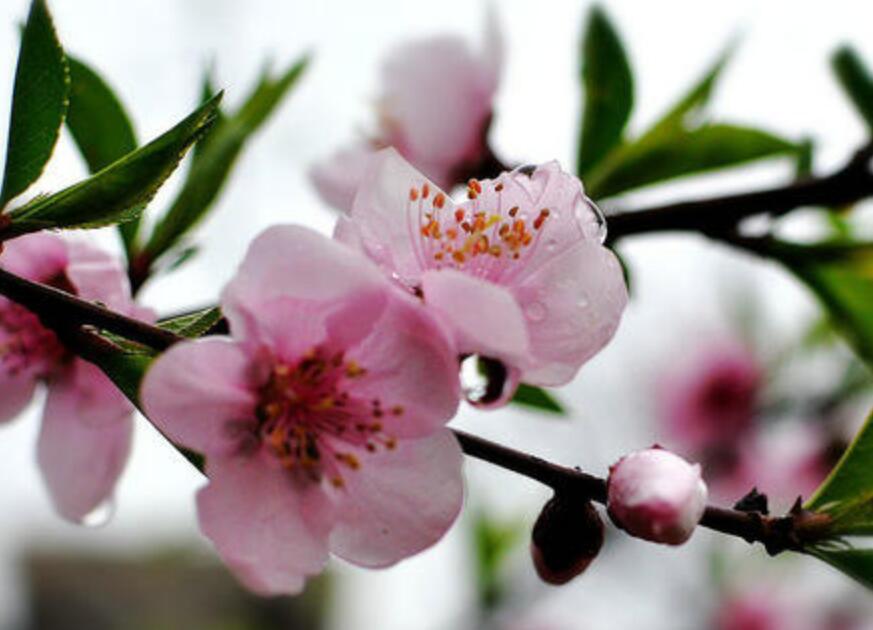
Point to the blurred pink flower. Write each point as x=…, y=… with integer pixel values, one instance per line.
x=86, y=426
x=656, y=495
x=435, y=109
x=321, y=418
x=711, y=404
x=759, y=610
x=518, y=270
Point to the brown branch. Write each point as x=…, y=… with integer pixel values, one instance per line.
x=851, y=183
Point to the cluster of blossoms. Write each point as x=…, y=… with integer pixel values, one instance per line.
x=322, y=417
x=87, y=423
x=713, y=410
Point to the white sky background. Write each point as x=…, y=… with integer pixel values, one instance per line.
x=154, y=51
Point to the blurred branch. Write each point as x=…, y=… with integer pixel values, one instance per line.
x=717, y=215
x=67, y=314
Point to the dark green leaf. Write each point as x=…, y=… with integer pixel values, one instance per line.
x=856, y=563
x=847, y=493
x=192, y=325
x=856, y=81
x=677, y=153
x=101, y=128
x=212, y=161
x=119, y=191
x=39, y=102
x=539, y=399
x=608, y=85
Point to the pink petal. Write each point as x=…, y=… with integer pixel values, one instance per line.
x=412, y=366
x=16, y=390
x=400, y=502
x=39, y=256
x=100, y=277
x=485, y=317
x=290, y=267
x=270, y=532
x=84, y=440
x=337, y=179
x=197, y=391
x=573, y=304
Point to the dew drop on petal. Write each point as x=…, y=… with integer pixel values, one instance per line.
x=535, y=311
x=592, y=220
x=582, y=300
x=486, y=382
x=552, y=244
x=100, y=515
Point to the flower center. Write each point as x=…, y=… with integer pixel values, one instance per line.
x=312, y=422
x=472, y=237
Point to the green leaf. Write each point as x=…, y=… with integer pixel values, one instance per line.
x=539, y=399
x=193, y=325
x=213, y=160
x=493, y=541
x=692, y=105
x=39, y=102
x=847, y=493
x=119, y=191
x=856, y=563
x=676, y=153
x=855, y=79
x=101, y=129
x=608, y=85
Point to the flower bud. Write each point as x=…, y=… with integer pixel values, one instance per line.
x=566, y=537
x=656, y=495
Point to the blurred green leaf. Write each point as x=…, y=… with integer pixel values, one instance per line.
x=856, y=563
x=101, y=129
x=213, y=160
x=193, y=325
x=39, y=102
x=119, y=191
x=538, y=399
x=493, y=541
x=675, y=152
x=608, y=91
x=847, y=494
x=856, y=81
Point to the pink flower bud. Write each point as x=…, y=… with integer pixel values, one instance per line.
x=656, y=495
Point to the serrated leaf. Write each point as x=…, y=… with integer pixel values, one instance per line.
x=856, y=563
x=677, y=153
x=193, y=325
x=608, y=87
x=215, y=158
x=856, y=81
x=101, y=128
x=539, y=399
x=39, y=102
x=119, y=191
x=847, y=493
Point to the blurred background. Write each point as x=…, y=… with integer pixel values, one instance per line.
x=148, y=567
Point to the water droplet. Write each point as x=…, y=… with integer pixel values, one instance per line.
x=592, y=220
x=535, y=311
x=487, y=382
x=100, y=515
x=582, y=302
x=552, y=244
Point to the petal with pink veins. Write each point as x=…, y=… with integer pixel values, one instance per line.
x=271, y=532
x=400, y=502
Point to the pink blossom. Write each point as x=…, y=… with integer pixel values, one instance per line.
x=435, y=109
x=656, y=495
x=711, y=403
x=322, y=417
x=517, y=270
x=86, y=427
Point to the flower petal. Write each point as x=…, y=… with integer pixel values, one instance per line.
x=194, y=389
x=37, y=257
x=411, y=366
x=573, y=304
x=16, y=390
x=291, y=267
x=271, y=532
x=84, y=440
x=400, y=502
x=98, y=276
x=485, y=317
x=337, y=179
